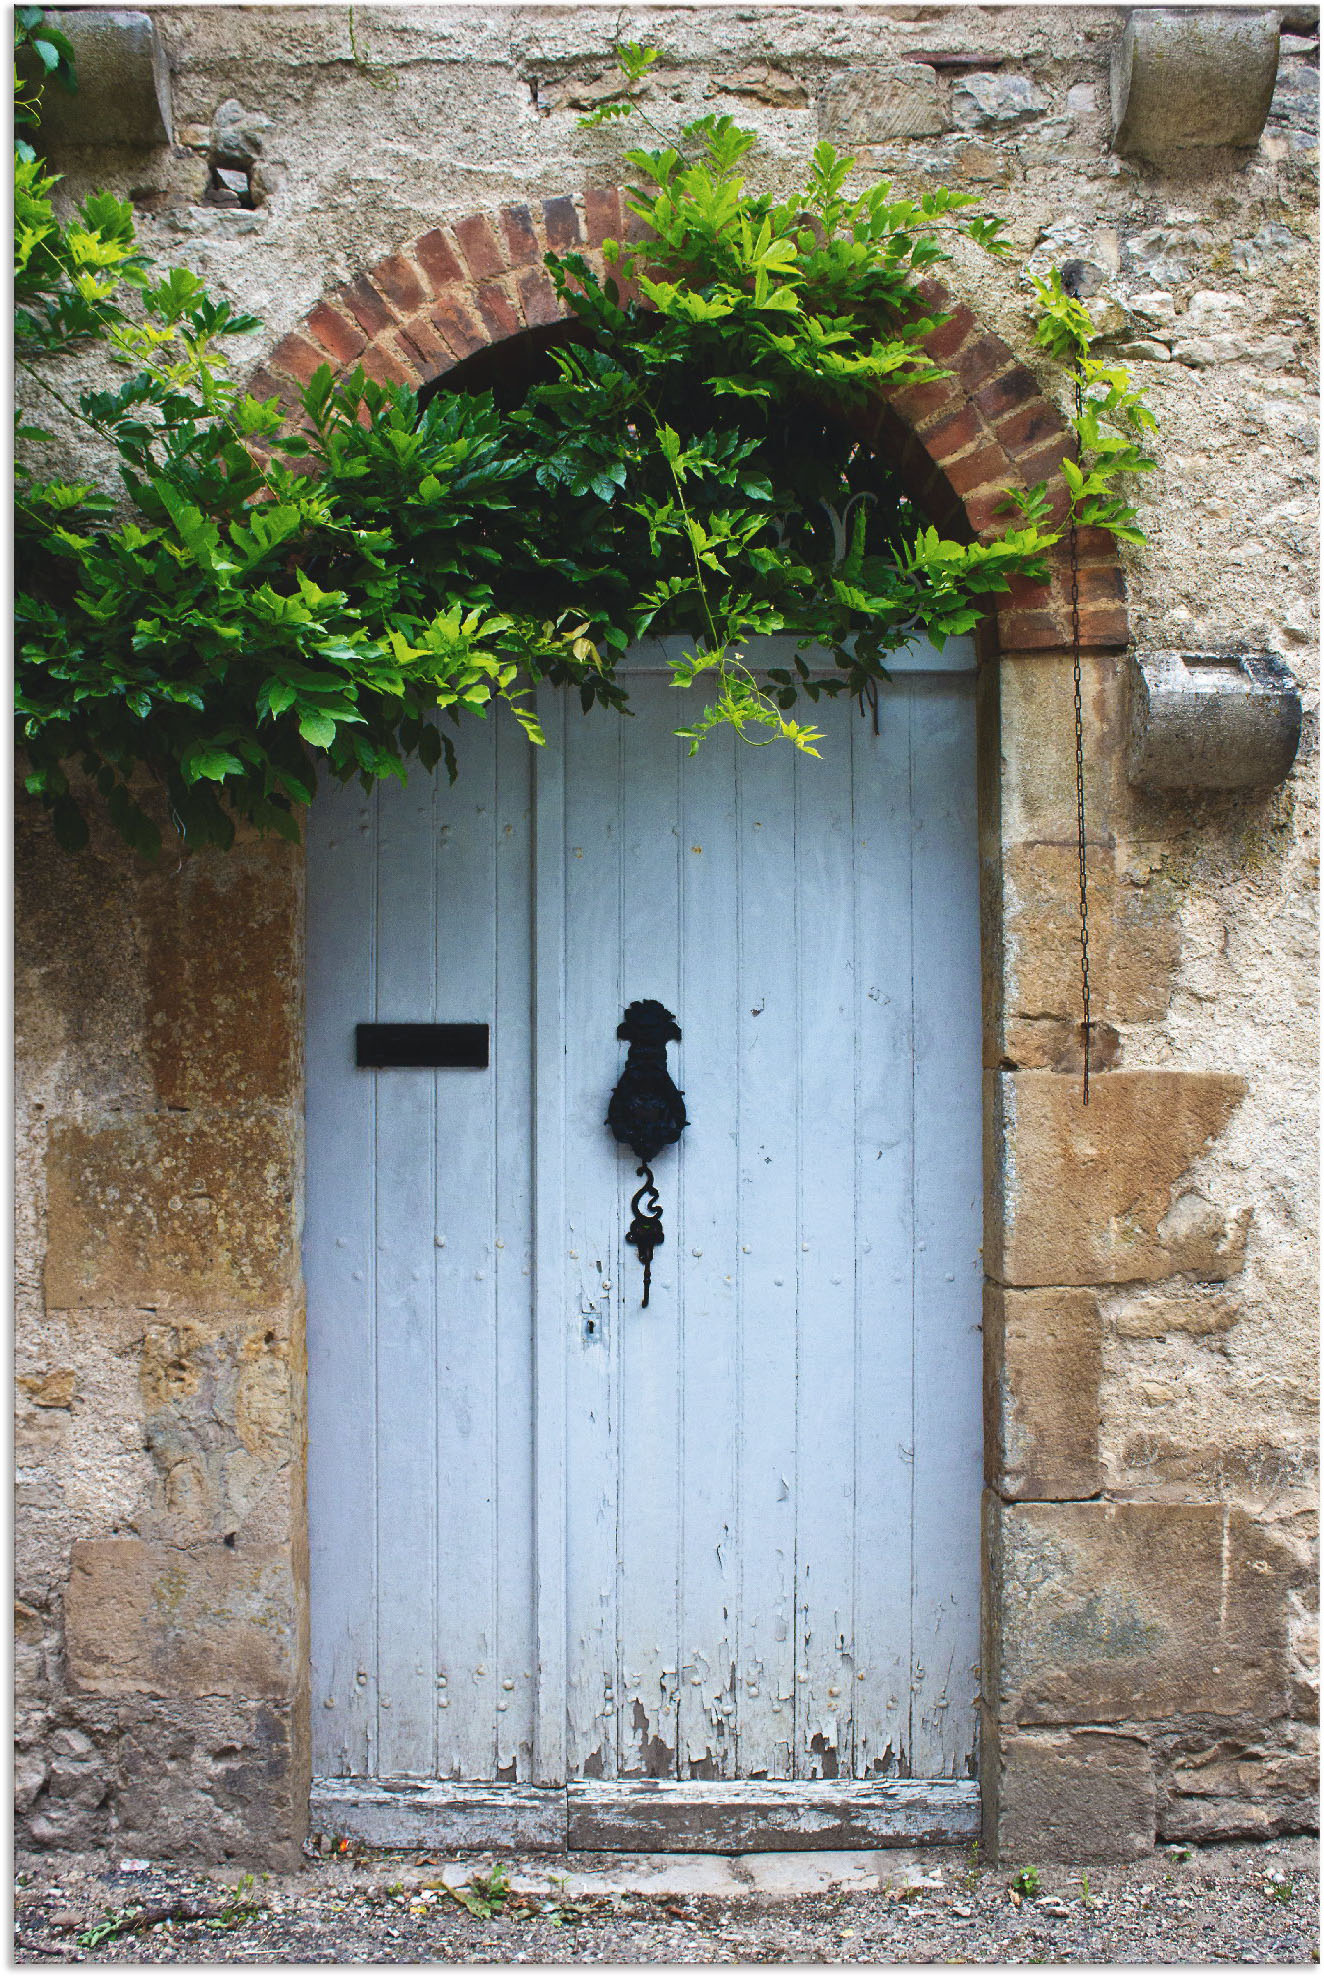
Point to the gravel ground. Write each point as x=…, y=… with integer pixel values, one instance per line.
x=1246, y=1903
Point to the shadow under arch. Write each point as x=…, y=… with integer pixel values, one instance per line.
x=473, y=292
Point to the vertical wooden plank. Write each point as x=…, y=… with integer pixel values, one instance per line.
x=769, y=936
x=402, y=1180
x=592, y=936
x=339, y=1256
x=466, y=1673
x=512, y=1359
x=825, y=1670
x=948, y=1193
x=708, y=1190
x=549, y=1218
x=650, y=1369
x=884, y=1427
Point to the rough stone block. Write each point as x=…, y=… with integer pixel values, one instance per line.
x=1093, y=1194
x=1135, y=937
x=996, y=102
x=123, y=95
x=1236, y=1786
x=1134, y=1612
x=1187, y=78
x=164, y=1207
x=1212, y=720
x=1081, y=1798
x=873, y=108
x=1043, y=1363
x=152, y=1619
x=1038, y=749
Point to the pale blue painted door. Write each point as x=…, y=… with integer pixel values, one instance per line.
x=734, y=1535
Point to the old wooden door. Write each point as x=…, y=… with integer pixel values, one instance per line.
x=727, y=1543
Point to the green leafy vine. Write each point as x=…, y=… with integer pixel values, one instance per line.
x=262, y=602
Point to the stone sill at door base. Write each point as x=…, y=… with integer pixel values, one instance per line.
x=650, y=1815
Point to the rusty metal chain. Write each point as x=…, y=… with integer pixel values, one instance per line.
x=1080, y=790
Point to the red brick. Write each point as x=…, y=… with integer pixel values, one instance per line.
x=366, y=306
x=399, y=283
x=340, y=339
x=1044, y=465
x=538, y=298
x=1014, y=387
x=561, y=220
x=1025, y=430
x=500, y=316
x=634, y=229
x=460, y=326
x=1096, y=545
x=984, y=468
x=602, y=213
x=917, y=402
x=480, y=246
x=1105, y=626
x=297, y=357
x=379, y=363
x=944, y=342
x=980, y=361
x=521, y=240
x=953, y=435
x=422, y=349
x=262, y=385
x=1031, y=631
x=438, y=260
x=934, y=294
x=1026, y=593
x=1100, y=584
x=987, y=511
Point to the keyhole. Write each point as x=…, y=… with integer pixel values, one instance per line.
x=590, y=1327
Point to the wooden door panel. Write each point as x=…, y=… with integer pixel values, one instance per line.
x=733, y=1536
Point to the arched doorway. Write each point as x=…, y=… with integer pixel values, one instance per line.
x=604, y=1532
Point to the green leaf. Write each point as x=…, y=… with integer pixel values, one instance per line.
x=317, y=729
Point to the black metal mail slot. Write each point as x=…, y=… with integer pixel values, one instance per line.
x=421, y=1045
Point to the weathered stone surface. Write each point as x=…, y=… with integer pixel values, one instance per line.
x=51, y=1389
x=1211, y=720
x=1093, y=1195
x=1134, y=1612
x=238, y=1786
x=1198, y=1309
x=153, y=1619
x=901, y=101
x=1135, y=937
x=1187, y=78
x=1237, y=1785
x=996, y=100
x=1084, y=1797
x=238, y=136
x=123, y=94
x=1038, y=749
x=170, y=1206
x=221, y=942
x=766, y=84
x=1042, y=1367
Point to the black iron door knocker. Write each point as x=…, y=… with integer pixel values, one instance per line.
x=646, y=1113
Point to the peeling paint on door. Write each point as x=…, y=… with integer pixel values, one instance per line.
x=771, y=1474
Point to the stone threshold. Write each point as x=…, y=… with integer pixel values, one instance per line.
x=653, y=1815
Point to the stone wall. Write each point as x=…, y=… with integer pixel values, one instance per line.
x=1151, y=1301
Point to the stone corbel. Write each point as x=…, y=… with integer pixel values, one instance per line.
x=1211, y=720
x=1192, y=78
x=123, y=94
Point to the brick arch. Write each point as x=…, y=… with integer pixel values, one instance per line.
x=960, y=440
